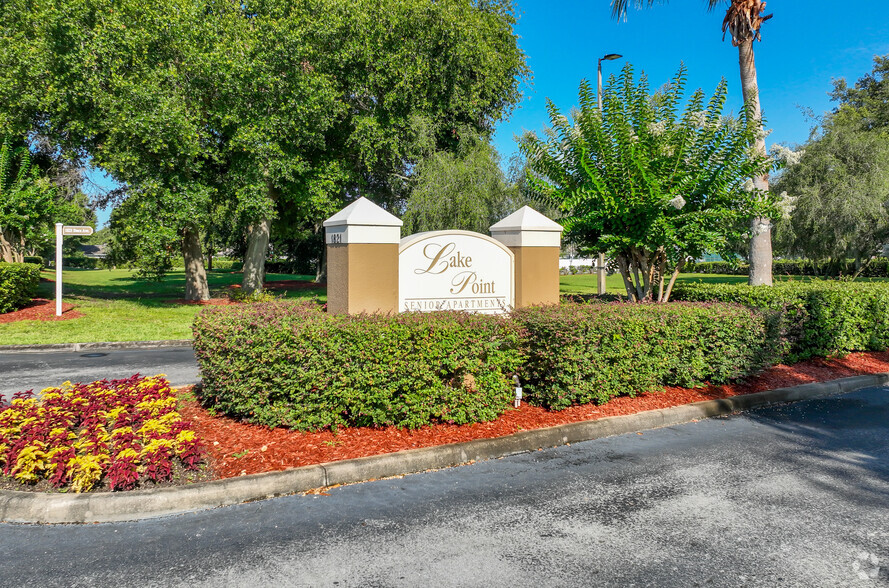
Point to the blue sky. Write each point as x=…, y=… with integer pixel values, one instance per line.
x=803, y=47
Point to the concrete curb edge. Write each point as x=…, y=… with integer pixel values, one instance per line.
x=32, y=507
x=95, y=346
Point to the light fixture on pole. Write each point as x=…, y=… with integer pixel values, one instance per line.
x=600, y=262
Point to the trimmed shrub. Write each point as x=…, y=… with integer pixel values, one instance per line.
x=877, y=268
x=228, y=265
x=818, y=318
x=592, y=353
x=294, y=365
x=18, y=285
x=81, y=262
x=34, y=259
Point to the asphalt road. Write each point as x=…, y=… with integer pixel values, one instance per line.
x=795, y=495
x=38, y=370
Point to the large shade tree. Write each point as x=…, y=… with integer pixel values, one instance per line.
x=260, y=107
x=743, y=20
x=647, y=181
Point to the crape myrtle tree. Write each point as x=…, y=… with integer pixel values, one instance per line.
x=646, y=181
x=743, y=20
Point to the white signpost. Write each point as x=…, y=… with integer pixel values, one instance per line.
x=455, y=270
x=61, y=230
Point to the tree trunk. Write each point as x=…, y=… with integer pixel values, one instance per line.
x=254, y=259
x=321, y=272
x=760, y=252
x=196, y=287
x=5, y=249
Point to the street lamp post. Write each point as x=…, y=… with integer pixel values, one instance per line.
x=600, y=263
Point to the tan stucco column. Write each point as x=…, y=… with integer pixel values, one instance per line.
x=535, y=241
x=362, y=259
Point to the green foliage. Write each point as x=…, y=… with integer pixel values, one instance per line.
x=296, y=366
x=816, y=318
x=592, y=353
x=26, y=201
x=646, y=181
x=869, y=97
x=466, y=191
x=875, y=268
x=35, y=260
x=835, y=198
x=18, y=285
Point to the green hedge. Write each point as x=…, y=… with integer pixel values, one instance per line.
x=818, y=318
x=294, y=365
x=592, y=353
x=18, y=285
x=34, y=259
x=878, y=268
x=228, y=264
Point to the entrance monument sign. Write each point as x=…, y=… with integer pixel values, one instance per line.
x=369, y=269
x=455, y=270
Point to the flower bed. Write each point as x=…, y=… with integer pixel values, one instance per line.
x=110, y=434
x=238, y=448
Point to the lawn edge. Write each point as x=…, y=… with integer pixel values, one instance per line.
x=31, y=507
x=95, y=346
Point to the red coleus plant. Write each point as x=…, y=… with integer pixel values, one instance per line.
x=122, y=431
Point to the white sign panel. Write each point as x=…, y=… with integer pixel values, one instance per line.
x=455, y=270
x=73, y=230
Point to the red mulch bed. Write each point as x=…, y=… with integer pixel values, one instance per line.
x=41, y=309
x=238, y=449
x=279, y=285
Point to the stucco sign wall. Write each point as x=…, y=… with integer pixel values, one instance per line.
x=455, y=270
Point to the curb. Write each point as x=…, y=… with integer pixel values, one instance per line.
x=32, y=507
x=87, y=346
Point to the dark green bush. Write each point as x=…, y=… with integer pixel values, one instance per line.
x=294, y=365
x=18, y=285
x=34, y=259
x=877, y=268
x=818, y=318
x=592, y=353
x=81, y=262
x=228, y=265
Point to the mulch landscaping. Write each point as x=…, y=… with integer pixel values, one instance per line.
x=237, y=448
x=41, y=309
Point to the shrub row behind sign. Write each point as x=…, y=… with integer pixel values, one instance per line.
x=294, y=365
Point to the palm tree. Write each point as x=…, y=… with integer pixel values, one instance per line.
x=743, y=20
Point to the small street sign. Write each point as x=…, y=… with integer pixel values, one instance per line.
x=71, y=230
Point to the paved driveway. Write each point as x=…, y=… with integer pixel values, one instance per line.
x=38, y=370
x=796, y=495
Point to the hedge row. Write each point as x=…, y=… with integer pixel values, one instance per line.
x=592, y=353
x=294, y=365
x=877, y=268
x=818, y=318
x=18, y=285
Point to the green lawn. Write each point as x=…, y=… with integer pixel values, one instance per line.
x=120, y=307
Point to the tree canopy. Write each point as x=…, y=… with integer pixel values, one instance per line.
x=646, y=180
x=264, y=106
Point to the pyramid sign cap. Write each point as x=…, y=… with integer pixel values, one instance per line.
x=363, y=212
x=526, y=219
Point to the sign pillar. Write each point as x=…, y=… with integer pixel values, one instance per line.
x=362, y=259
x=535, y=241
